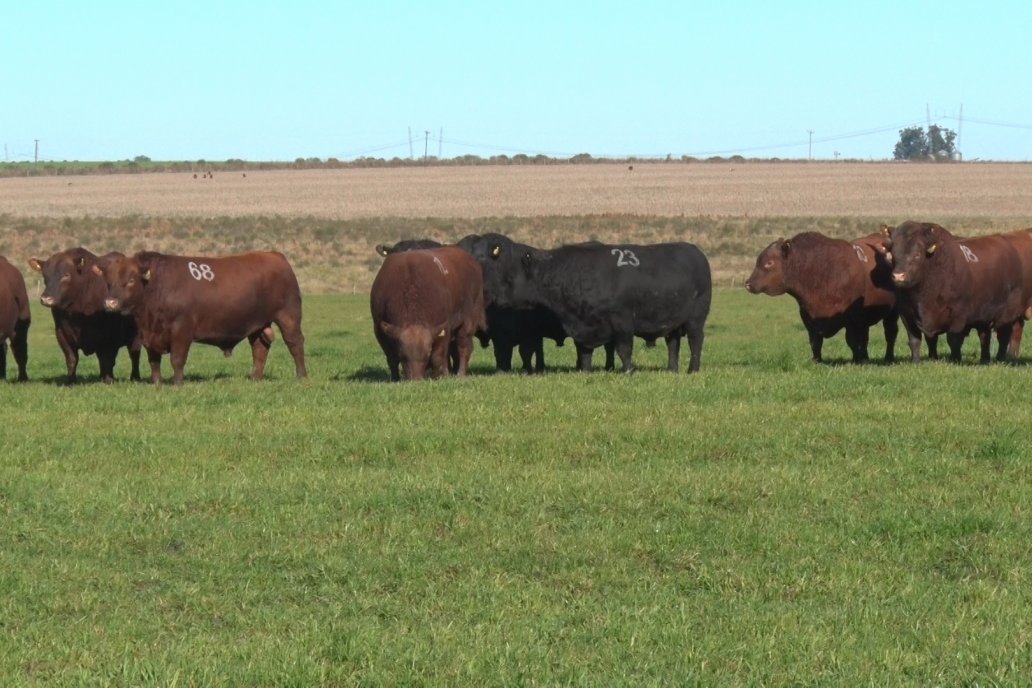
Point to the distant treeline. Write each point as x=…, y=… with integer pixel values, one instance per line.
x=142, y=163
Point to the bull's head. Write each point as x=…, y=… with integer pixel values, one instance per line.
x=768, y=275
x=910, y=248
x=126, y=278
x=65, y=275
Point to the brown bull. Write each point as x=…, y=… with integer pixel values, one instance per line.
x=837, y=284
x=14, y=319
x=178, y=300
x=947, y=285
x=75, y=296
x=423, y=303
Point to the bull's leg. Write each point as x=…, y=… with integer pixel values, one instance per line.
x=624, y=349
x=539, y=354
x=464, y=346
x=816, y=344
x=260, y=345
x=913, y=340
x=134, y=360
x=177, y=356
x=106, y=358
x=71, y=355
x=439, y=357
x=584, y=357
x=695, y=338
x=956, y=342
x=3, y=360
x=526, y=349
x=1014, y=347
x=1003, y=336
x=856, y=338
x=673, y=348
x=610, y=357
x=394, y=365
x=154, y=357
x=290, y=327
x=891, y=326
x=985, y=344
x=933, y=347
x=503, y=354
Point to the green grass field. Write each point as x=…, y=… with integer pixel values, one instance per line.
x=769, y=521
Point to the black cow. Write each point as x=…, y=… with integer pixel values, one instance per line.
x=608, y=293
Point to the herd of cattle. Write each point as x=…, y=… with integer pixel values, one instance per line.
x=430, y=301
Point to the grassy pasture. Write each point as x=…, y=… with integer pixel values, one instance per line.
x=768, y=521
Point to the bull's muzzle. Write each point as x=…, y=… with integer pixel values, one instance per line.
x=111, y=305
x=899, y=277
x=47, y=301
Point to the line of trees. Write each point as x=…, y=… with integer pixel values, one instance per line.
x=938, y=143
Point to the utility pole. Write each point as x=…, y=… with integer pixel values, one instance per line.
x=36, y=157
x=426, y=144
x=809, y=147
x=440, y=141
x=411, y=154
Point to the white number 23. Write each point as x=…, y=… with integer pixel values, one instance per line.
x=625, y=257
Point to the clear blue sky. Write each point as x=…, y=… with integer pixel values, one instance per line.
x=277, y=81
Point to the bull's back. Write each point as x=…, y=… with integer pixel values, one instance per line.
x=411, y=288
x=225, y=295
x=997, y=287
x=662, y=285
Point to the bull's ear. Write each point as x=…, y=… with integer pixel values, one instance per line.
x=80, y=264
x=496, y=251
x=382, y=250
x=885, y=230
x=145, y=276
x=97, y=271
x=36, y=264
x=931, y=249
x=786, y=248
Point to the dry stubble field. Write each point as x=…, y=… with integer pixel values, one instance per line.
x=327, y=221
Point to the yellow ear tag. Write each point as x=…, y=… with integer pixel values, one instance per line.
x=496, y=251
x=441, y=333
x=146, y=276
x=931, y=249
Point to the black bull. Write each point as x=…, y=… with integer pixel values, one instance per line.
x=606, y=293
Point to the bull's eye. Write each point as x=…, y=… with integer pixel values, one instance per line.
x=66, y=277
x=768, y=265
x=130, y=283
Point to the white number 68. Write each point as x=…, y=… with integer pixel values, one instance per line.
x=199, y=272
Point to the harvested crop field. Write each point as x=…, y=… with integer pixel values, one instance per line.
x=327, y=221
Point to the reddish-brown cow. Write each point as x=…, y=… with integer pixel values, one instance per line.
x=75, y=297
x=837, y=284
x=423, y=302
x=14, y=319
x=178, y=300
x=950, y=285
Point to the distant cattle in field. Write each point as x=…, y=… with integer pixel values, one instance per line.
x=15, y=319
x=837, y=284
x=422, y=301
x=609, y=293
x=75, y=296
x=178, y=300
x=946, y=285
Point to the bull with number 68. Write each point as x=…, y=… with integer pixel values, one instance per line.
x=178, y=300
